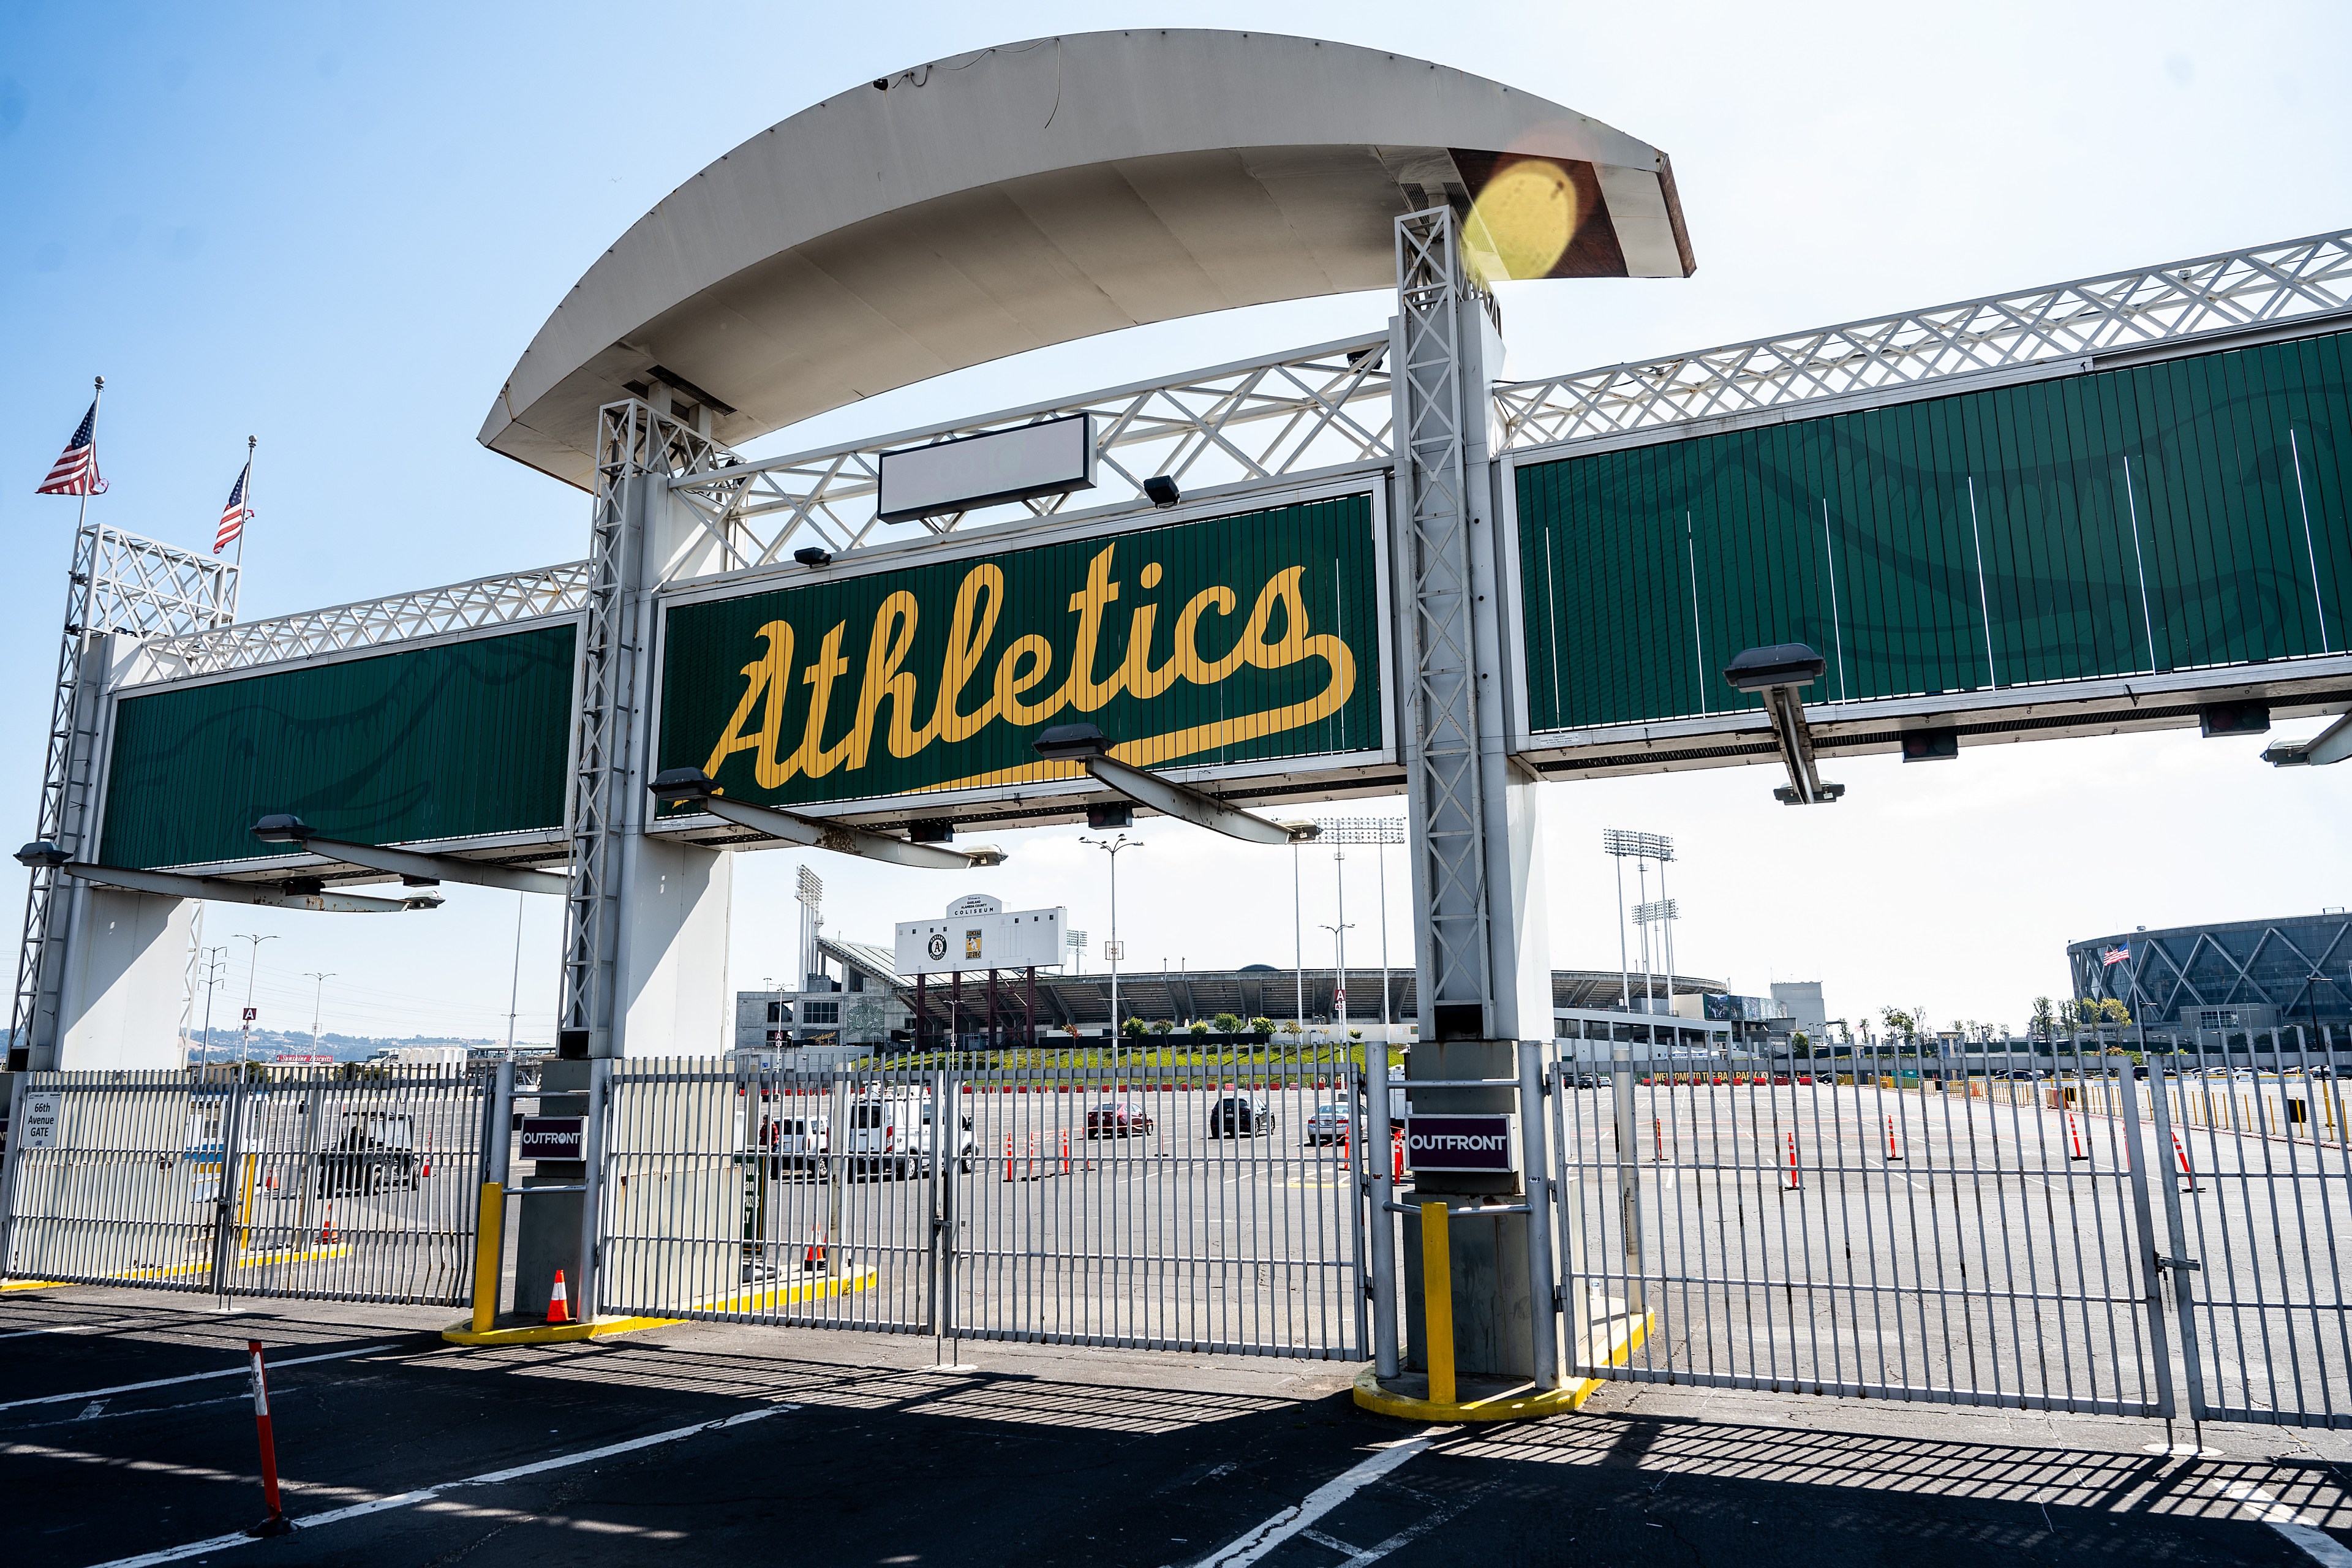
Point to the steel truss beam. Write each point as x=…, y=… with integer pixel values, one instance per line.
x=118, y=582
x=1437, y=330
x=636, y=448
x=461, y=606
x=2148, y=308
x=1245, y=422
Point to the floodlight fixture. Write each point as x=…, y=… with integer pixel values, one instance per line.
x=812, y=556
x=41, y=852
x=282, y=828
x=677, y=786
x=1628, y=845
x=1777, y=672
x=1062, y=742
x=1360, y=829
x=1779, y=664
x=2332, y=745
x=1161, y=491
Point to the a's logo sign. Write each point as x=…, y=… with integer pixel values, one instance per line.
x=971, y=944
x=1226, y=640
x=937, y=946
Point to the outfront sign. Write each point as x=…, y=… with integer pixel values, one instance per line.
x=1226, y=640
x=552, y=1138
x=1478, y=1143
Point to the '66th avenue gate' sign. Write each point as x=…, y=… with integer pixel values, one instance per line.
x=1235, y=639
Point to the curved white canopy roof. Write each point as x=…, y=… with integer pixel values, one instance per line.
x=1040, y=191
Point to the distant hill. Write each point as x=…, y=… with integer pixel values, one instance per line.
x=264, y=1044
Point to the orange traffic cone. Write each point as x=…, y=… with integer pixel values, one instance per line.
x=812, y=1260
x=559, y=1309
x=327, y=1232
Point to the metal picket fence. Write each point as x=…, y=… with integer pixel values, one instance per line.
x=1198, y=1205
x=2145, y=1228
x=310, y=1184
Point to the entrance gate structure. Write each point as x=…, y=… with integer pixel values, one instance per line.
x=1362, y=568
x=1194, y=1206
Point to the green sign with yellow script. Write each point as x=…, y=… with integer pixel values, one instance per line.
x=1232, y=639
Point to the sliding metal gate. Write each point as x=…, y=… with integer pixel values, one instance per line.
x=1196, y=1206
x=2080, y=1228
x=324, y=1185
x=1858, y=1229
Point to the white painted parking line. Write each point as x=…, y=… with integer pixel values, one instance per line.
x=426, y=1494
x=1253, y=1545
x=239, y=1370
x=74, y=1328
x=2316, y=1544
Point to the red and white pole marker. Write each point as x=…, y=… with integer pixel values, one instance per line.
x=1066, y=1151
x=276, y=1523
x=2181, y=1153
x=1658, y=1134
x=2074, y=1150
x=1008, y=1157
x=1795, y=1180
x=1893, y=1150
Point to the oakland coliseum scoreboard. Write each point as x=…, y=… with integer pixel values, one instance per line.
x=1362, y=567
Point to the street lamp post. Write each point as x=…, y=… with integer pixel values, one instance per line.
x=1379, y=831
x=253, y=962
x=1111, y=846
x=318, y=1002
x=1339, y=968
x=212, y=966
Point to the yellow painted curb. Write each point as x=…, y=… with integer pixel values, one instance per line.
x=248, y=1260
x=743, y=1301
x=1519, y=1403
x=34, y=1284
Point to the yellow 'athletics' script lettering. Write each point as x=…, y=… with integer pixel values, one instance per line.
x=1011, y=695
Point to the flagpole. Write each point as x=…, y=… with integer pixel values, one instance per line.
x=97, y=394
x=245, y=505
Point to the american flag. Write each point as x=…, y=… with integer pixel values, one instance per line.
x=2111, y=956
x=75, y=473
x=232, y=515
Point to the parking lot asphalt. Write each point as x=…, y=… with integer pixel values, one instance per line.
x=709, y=1443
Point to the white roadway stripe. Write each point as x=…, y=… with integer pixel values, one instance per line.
x=73, y=1328
x=242, y=1369
x=1255, y=1545
x=426, y=1494
x=2316, y=1545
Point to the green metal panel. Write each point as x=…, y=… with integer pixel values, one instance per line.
x=447, y=741
x=1226, y=640
x=2185, y=513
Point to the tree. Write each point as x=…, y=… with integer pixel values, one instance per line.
x=1133, y=1028
x=1290, y=1025
x=1198, y=1027
x=1228, y=1023
x=1162, y=1025
x=2113, y=1011
x=1261, y=1026
x=1898, y=1022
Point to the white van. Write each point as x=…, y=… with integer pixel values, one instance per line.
x=892, y=1130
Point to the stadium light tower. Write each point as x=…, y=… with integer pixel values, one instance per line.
x=809, y=889
x=1641, y=847
x=1075, y=941
x=1380, y=832
x=1111, y=846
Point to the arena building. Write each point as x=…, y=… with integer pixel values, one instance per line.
x=2240, y=975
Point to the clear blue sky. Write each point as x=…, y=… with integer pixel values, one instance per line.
x=334, y=227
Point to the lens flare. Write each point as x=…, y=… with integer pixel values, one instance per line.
x=1522, y=222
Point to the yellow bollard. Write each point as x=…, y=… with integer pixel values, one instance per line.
x=489, y=1255
x=1437, y=1302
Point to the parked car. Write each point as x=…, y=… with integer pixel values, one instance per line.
x=795, y=1142
x=375, y=1149
x=1329, y=1125
x=1236, y=1116
x=1118, y=1118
